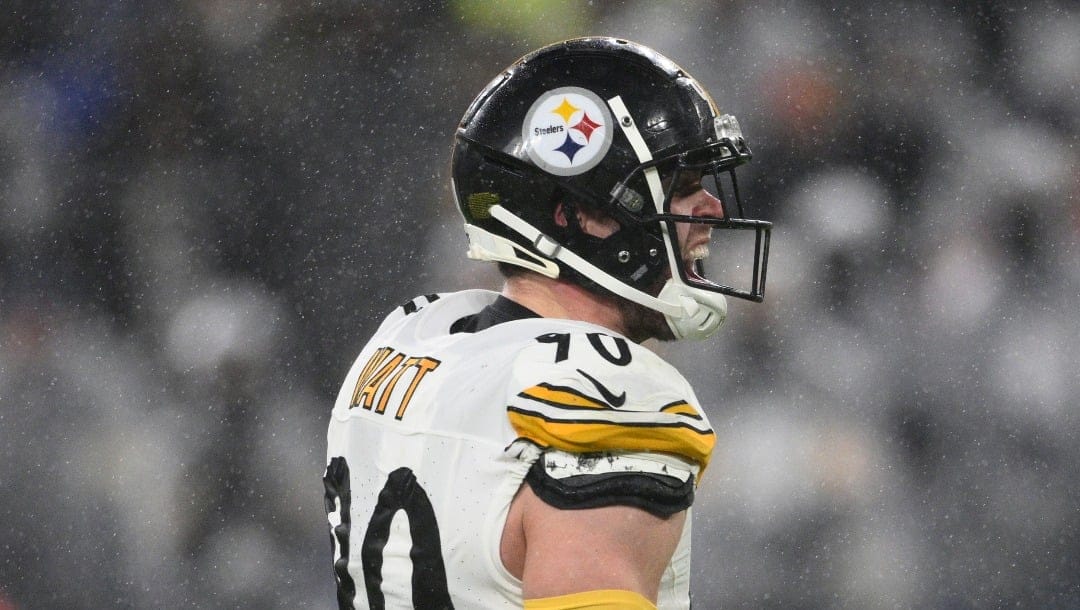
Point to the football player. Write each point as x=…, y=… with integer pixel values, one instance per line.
x=522, y=449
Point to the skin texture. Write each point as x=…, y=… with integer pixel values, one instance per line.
x=558, y=552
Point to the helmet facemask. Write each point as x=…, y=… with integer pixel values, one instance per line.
x=733, y=262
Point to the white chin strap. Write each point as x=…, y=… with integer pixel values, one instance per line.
x=703, y=312
x=690, y=313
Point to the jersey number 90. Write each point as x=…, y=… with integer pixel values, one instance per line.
x=401, y=492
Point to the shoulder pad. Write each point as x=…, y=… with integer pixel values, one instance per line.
x=586, y=392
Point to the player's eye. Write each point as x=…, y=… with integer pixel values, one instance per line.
x=687, y=184
x=689, y=188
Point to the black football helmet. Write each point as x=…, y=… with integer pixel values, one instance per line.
x=607, y=125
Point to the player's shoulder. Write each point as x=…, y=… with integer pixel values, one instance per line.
x=436, y=310
x=449, y=304
x=582, y=389
x=579, y=354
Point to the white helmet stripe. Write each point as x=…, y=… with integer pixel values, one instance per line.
x=637, y=143
x=652, y=176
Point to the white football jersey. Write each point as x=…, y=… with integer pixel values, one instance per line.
x=433, y=433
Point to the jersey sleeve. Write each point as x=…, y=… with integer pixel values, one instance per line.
x=588, y=393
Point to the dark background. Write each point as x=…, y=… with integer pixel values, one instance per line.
x=207, y=205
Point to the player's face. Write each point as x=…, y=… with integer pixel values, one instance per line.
x=688, y=199
x=691, y=199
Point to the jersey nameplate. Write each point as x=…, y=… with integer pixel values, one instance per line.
x=386, y=371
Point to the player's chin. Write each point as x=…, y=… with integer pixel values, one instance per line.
x=663, y=332
x=642, y=323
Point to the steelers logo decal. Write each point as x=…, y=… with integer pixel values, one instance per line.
x=567, y=131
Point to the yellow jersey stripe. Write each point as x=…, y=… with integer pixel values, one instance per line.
x=601, y=599
x=562, y=397
x=583, y=435
x=681, y=408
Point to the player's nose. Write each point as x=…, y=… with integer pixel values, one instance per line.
x=708, y=205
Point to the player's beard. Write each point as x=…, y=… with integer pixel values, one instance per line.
x=642, y=323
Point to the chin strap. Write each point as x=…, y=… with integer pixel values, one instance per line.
x=553, y=250
x=703, y=312
x=485, y=246
x=690, y=313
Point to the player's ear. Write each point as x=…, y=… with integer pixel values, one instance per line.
x=592, y=221
x=559, y=215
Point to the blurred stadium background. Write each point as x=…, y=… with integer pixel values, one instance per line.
x=206, y=206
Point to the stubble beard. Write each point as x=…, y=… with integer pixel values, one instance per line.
x=642, y=323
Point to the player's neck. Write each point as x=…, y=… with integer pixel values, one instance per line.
x=553, y=298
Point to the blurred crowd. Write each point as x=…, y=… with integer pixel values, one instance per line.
x=207, y=205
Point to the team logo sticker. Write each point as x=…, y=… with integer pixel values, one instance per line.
x=567, y=131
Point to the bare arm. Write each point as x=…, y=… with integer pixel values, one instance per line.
x=557, y=552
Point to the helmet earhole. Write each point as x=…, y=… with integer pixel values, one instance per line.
x=653, y=252
x=624, y=256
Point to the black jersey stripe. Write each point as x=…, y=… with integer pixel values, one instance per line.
x=612, y=421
